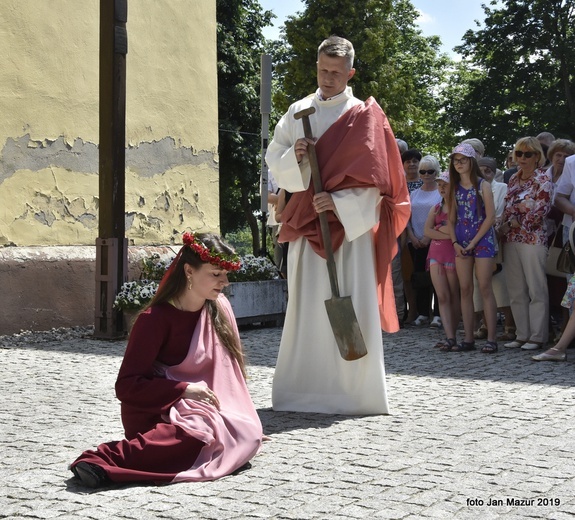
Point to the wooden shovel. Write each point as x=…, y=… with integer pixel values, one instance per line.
x=339, y=309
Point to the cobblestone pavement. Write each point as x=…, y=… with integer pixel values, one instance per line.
x=471, y=435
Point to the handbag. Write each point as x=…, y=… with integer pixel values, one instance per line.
x=560, y=260
x=553, y=256
x=565, y=261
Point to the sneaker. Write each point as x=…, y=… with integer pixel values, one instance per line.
x=435, y=322
x=420, y=320
x=531, y=346
x=514, y=344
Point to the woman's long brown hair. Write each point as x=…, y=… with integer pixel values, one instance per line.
x=175, y=282
x=455, y=179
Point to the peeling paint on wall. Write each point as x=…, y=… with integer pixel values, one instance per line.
x=23, y=153
x=49, y=129
x=146, y=159
x=49, y=192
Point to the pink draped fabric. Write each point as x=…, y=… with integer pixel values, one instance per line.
x=358, y=150
x=233, y=434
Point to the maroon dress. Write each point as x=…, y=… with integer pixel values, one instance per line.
x=154, y=450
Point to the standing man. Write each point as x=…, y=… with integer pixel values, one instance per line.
x=367, y=204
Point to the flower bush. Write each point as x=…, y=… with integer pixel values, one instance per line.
x=153, y=267
x=254, y=269
x=137, y=294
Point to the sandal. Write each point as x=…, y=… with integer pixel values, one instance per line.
x=448, y=345
x=480, y=333
x=508, y=335
x=490, y=347
x=464, y=346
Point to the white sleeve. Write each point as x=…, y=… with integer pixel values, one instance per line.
x=357, y=209
x=565, y=182
x=281, y=158
x=499, y=191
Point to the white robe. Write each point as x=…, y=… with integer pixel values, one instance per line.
x=310, y=374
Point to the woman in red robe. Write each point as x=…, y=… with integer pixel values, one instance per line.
x=186, y=409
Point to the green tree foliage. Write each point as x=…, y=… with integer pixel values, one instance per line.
x=240, y=45
x=516, y=77
x=394, y=63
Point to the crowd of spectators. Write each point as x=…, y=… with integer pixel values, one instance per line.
x=498, y=224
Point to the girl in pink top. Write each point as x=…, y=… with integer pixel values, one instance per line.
x=441, y=265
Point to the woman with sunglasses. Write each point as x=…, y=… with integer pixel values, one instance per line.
x=422, y=200
x=524, y=235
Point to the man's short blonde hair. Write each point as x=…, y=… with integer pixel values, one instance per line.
x=338, y=47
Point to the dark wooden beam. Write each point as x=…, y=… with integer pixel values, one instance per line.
x=111, y=245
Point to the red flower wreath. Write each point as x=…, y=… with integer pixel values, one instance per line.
x=225, y=262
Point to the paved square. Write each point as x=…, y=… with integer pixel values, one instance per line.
x=471, y=435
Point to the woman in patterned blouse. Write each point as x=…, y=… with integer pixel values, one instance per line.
x=524, y=235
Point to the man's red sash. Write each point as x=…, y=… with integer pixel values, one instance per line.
x=358, y=151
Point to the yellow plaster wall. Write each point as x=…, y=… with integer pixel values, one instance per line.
x=172, y=73
x=49, y=69
x=49, y=123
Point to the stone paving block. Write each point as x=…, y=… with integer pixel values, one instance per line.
x=398, y=510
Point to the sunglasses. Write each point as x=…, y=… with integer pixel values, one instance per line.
x=528, y=155
x=426, y=172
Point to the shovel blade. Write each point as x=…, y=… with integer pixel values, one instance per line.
x=345, y=328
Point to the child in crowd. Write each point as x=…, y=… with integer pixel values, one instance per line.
x=441, y=265
x=471, y=220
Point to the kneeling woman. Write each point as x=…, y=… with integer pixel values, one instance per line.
x=186, y=410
